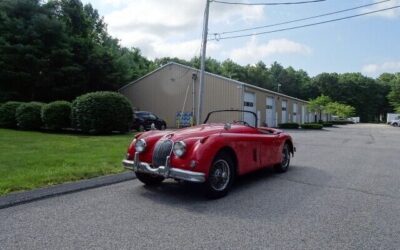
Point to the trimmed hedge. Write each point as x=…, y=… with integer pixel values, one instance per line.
x=341, y=122
x=7, y=114
x=327, y=124
x=311, y=126
x=28, y=116
x=292, y=125
x=102, y=112
x=56, y=115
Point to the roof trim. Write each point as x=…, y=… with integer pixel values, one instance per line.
x=141, y=78
x=217, y=76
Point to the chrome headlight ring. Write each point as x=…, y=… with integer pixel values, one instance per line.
x=140, y=145
x=179, y=148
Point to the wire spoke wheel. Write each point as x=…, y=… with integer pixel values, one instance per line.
x=285, y=162
x=285, y=157
x=220, y=175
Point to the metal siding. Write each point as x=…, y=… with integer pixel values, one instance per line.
x=162, y=92
x=222, y=94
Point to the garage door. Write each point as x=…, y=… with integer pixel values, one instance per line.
x=303, y=114
x=284, y=111
x=294, y=112
x=249, y=105
x=270, y=113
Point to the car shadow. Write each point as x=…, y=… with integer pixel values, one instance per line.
x=262, y=190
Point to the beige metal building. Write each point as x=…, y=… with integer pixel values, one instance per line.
x=173, y=88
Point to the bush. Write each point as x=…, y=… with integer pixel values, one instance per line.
x=102, y=112
x=327, y=124
x=7, y=114
x=311, y=126
x=56, y=115
x=28, y=116
x=341, y=122
x=289, y=125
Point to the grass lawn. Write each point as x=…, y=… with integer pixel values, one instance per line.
x=30, y=160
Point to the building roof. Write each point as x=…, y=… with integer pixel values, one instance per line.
x=214, y=75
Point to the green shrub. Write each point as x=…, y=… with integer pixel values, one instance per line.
x=311, y=126
x=292, y=125
x=341, y=122
x=102, y=112
x=7, y=114
x=57, y=115
x=327, y=124
x=28, y=116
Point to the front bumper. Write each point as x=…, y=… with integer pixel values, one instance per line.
x=166, y=171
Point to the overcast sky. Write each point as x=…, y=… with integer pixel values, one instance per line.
x=368, y=44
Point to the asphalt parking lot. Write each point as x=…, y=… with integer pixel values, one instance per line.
x=342, y=192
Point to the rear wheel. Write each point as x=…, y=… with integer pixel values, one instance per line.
x=220, y=177
x=395, y=124
x=148, y=179
x=285, y=162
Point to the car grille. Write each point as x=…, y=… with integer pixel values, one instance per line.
x=160, y=153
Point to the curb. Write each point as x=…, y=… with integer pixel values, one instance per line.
x=66, y=188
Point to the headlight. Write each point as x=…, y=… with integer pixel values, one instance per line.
x=179, y=148
x=140, y=145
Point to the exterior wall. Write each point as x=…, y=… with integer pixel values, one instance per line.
x=261, y=96
x=163, y=92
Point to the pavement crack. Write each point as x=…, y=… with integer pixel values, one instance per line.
x=341, y=188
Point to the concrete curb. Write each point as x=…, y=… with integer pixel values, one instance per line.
x=42, y=193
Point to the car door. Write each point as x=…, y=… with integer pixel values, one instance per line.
x=268, y=149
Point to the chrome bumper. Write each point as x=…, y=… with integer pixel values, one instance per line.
x=166, y=171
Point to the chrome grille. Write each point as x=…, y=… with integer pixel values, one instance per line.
x=160, y=153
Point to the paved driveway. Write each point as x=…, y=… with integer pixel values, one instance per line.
x=342, y=193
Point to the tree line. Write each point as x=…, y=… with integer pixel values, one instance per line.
x=60, y=49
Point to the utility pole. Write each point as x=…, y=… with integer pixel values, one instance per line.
x=203, y=62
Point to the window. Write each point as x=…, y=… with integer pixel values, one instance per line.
x=269, y=106
x=283, y=108
x=248, y=104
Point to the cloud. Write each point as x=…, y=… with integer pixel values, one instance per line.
x=254, y=51
x=377, y=69
x=170, y=28
x=393, y=13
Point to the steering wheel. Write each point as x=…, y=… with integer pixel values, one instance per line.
x=244, y=123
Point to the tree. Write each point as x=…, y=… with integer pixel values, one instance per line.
x=319, y=104
x=339, y=109
x=394, y=94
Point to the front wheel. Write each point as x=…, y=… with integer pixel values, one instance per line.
x=220, y=177
x=285, y=162
x=148, y=179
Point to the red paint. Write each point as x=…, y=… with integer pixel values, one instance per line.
x=254, y=148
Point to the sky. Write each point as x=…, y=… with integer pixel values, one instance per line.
x=160, y=28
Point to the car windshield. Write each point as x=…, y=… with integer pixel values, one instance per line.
x=244, y=117
x=145, y=115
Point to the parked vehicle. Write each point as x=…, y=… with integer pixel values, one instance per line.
x=211, y=153
x=144, y=120
x=392, y=116
x=395, y=122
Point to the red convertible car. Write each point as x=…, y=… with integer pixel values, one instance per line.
x=211, y=153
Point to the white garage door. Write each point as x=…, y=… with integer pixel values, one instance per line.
x=249, y=105
x=284, y=111
x=270, y=112
x=294, y=112
x=303, y=114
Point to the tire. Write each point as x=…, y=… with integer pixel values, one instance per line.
x=162, y=127
x=148, y=179
x=285, y=162
x=220, y=177
x=395, y=124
